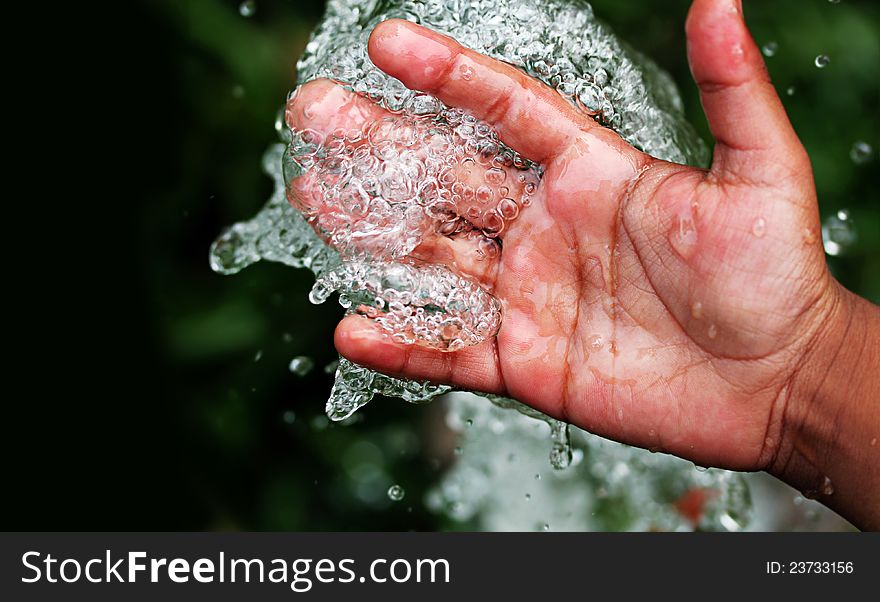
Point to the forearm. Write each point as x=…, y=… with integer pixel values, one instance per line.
x=830, y=445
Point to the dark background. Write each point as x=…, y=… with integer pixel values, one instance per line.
x=133, y=400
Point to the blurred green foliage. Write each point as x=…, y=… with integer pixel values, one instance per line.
x=235, y=440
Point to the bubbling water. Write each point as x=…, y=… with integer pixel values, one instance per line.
x=379, y=191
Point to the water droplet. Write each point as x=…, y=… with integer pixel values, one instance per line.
x=396, y=493
x=289, y=417
x=545, y=527
x=247, y=8
x=596, y=342
x=769, y=49
x=496, y=176
x=301, y=365
x=469, y=422
x=537, y=476
x=790, y=90
x=809, y=236
x=258, y=356
x=827, y=486
x=759, y=228
x=697, y=310
x=713, y=331
x=861, y=153
x=838, y=233
x=822, y=61
x=874, y=442
x=467, y=72
x=528, y=496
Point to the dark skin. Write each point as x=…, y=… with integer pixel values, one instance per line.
x=678, y=309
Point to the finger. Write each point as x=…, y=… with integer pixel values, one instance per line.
x=321, y=109
x=325, y=107
x=754, y=136
x=529, y=116
x=469, y=253
x=474, y=368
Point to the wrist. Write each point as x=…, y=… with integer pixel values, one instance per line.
x=829, y=447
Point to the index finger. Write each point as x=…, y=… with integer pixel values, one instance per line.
x=529, y=116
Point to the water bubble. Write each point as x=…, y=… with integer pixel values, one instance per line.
x=301, y=365
x=289, y=417
x=790, y=90
x=822, y=61
x=528, y=496
x=396, y=493
x=759, y=227
x=838, y=233
x=809, y=236
x=827, y=486
x=247, y=8
x=861, y=153
x=545, y=527
x=769, y=49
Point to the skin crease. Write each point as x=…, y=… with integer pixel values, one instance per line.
x=664, y=306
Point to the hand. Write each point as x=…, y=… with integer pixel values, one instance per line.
x=660, y=305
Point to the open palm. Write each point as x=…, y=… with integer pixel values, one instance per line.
x=656, y=304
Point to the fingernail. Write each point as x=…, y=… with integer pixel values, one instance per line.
x=401, y=42
x=367, y=334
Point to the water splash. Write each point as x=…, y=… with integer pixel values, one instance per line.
x=607, y=486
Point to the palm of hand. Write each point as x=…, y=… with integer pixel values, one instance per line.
x=657, y=308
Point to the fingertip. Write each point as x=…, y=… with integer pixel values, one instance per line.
x=411, y=53
x=359, y=340
x=720, y=48
x=712, y=12
x=383, y=34
x=313, y=104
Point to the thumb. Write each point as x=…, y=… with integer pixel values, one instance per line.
x=754, y=137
